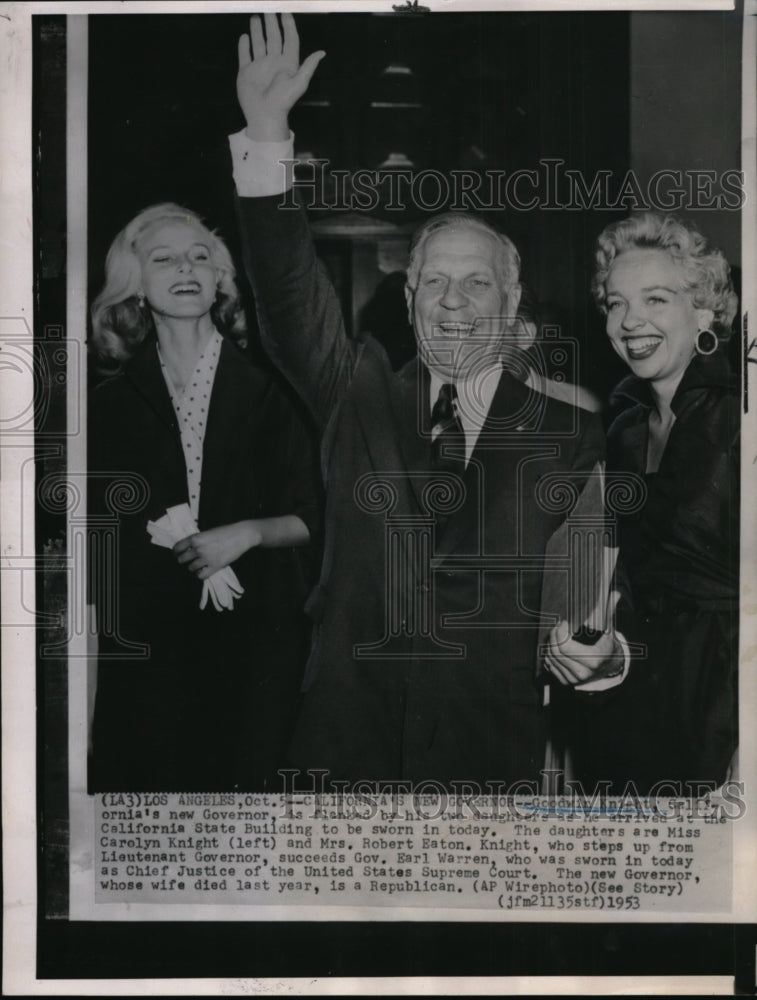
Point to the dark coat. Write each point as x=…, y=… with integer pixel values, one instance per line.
x=395, y=689
x=675, y=717
x=192, y=715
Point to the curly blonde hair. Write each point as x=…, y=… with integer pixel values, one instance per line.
x=120, y=323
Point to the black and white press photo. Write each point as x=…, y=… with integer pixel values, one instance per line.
x=378, y=445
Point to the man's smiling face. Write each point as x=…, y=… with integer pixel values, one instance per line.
x=460, y=308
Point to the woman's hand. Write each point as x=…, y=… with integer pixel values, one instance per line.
x=572, y=662
x=271, y=80
x=208, y=551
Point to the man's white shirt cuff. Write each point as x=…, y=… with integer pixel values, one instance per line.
x=257, y=166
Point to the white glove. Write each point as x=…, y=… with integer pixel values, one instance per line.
x=178, y=523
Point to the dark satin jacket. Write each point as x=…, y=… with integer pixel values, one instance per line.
x=682, y=548
x=675, y=716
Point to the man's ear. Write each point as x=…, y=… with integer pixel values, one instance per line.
x=409, y=295
x=513, y=301
x=519, y=328
x=523, y=332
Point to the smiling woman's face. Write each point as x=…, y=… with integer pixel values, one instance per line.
x=651, y=320
x=179, y=277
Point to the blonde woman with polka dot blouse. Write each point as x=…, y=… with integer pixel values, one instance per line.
x=191, y=695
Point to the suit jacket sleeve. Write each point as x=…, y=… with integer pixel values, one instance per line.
x=301, y=322
x=303, y=495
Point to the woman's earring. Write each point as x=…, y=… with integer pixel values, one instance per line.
x=707, y=342
x=141, y=299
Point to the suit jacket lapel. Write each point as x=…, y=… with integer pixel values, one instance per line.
x=169, y=484
x=511, y=409
x=634, y=442
x=414, y=430
x=143, y=371
x=234, y=394
x=510, y=401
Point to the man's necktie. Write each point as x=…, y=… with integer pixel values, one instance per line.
x=447, y=435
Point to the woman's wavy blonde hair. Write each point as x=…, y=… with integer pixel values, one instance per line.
x=120, y=323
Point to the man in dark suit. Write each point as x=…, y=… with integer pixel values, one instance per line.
x=424, y=661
